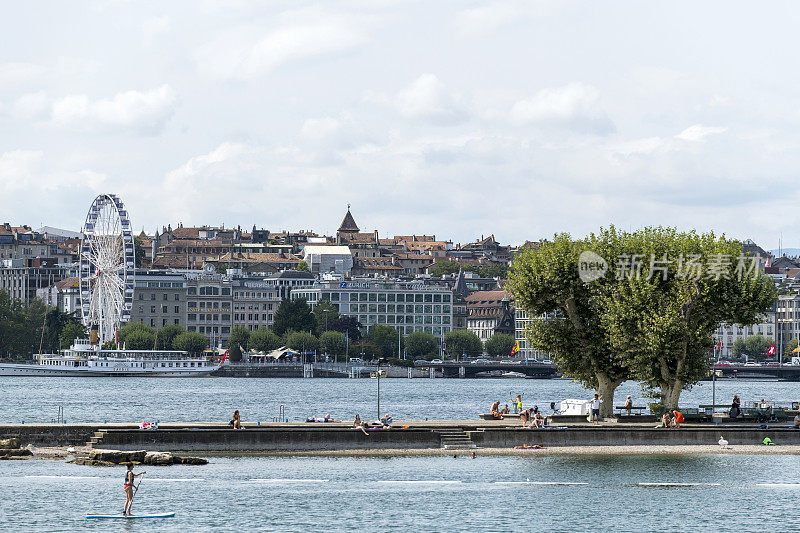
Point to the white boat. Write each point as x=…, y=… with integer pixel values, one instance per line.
x=86, y=360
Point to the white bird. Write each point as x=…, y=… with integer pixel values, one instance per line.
x=722, y=442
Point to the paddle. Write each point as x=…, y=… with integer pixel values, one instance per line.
x=136, y=487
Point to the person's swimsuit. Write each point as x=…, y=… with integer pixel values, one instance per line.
x=128, y=479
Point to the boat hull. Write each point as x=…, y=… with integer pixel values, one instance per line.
x=27, y=370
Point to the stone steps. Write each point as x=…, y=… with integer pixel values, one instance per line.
x=455, y=439
x=96, y=438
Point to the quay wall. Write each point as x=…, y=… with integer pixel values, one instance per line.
x=269, y=439
x=631, y=436
x=53, y=434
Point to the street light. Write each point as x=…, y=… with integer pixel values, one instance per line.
x=381, y=361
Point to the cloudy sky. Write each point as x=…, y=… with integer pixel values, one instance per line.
x=455, y=118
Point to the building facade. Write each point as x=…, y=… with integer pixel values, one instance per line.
x=254, y=303
x=405, y=306
x=489, y=312
x=22, y=278
x=159, y=298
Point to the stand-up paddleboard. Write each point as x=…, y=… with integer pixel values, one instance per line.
x=162, y=515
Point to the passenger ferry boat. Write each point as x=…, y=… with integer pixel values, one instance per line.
x=85, y=359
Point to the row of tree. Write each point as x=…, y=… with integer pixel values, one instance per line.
x=641, y=305
x=756, y=348
x=138, y=336
x=26, y=329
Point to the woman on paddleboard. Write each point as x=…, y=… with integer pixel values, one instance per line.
x=128, y=488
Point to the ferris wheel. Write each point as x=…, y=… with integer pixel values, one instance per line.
x=107, y=267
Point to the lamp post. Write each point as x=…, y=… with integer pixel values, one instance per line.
x=714, y=378
x=380, y=362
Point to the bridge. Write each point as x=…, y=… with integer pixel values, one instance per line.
x=468, y=369
x=781, y=373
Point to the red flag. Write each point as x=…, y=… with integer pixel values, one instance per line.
x=771, y=350
x=225, y=355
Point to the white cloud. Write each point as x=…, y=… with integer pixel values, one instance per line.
x=484, y=20
x=319, y=128
x=575, y=106
x=698, y=133
x=13, y=74
x=247, y=53
x=144, y=112
x=427, y=98
x=154, y=27
x=31, y=105
x=28, y=170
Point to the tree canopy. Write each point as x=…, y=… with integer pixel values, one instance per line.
x=239, y=337
x=264, y=340
x=347, y=324
x=500, y=345
x=302, y=340
x=421, y=345
x=190, y=341
x=332, y=343
x=166, y=335
x=293, y=315
x=754, y=348
x=385, y=340
x=462, y=342
x=647, y=308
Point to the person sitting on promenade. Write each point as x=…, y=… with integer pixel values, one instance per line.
x=505, y=410
x=538, y=419
x=386, y=421
x=525, y=416
x=665, y=420
x=494, y=410
x=735, y=407
x=677, y=418
x=358, y=424
x=797, y=421
x=236, y=422
x=628, y=404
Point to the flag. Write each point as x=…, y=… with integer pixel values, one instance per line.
x=225, y=355
x=718, y=346
x=771, y=350
x=515, y=348
x=345, y=335
x=796, y=350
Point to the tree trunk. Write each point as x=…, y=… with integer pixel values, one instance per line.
x=606, y=387
x=671, y=393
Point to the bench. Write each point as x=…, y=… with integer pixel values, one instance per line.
x=635, y=410
x=487, y=416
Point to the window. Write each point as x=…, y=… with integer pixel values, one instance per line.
x=177, y=297
x=373, y=297
x=165, y=296
x=152, y=308
x=390, y=297
x=382, y=297
x=417, y=297
x=164, y=309
x=445, y=297
x=177, y=309
x=191, y=304
x=428, y=298
x=362, y=297
x=152, y=296
x=437, y=297
x=141, y=296
x=334, y=296
x=191, y=291
x=226, y=291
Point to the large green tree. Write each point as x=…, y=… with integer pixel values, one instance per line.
x=421, y=345
x=462, y=342
x=662, y=315
x=239, y=337
x=349, y=325
x=385, y=338
x=326, y=315
x=12, y=326
x=546, y=281
x=293, y=315
x=753, y=348
x=139, y=340
x=264, y=340
x=500, y=345
x=71, y=331
x=332, y=343
x=166, y=335
x=302, y=340
x=191, y=342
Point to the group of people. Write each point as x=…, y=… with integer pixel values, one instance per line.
x=532, y=418
x=671, y=419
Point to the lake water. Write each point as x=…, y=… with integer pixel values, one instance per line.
x=419, y=493
x=36, y=399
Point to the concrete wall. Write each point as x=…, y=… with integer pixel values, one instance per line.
x=508, y=438
x=50, y=434
x=268, y=439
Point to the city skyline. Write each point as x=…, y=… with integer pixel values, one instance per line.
x=514, y=118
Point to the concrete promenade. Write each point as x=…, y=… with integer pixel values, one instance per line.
x=403, y=436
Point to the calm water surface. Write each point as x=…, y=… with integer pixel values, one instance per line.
x=36, y=399
x=363, y=494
